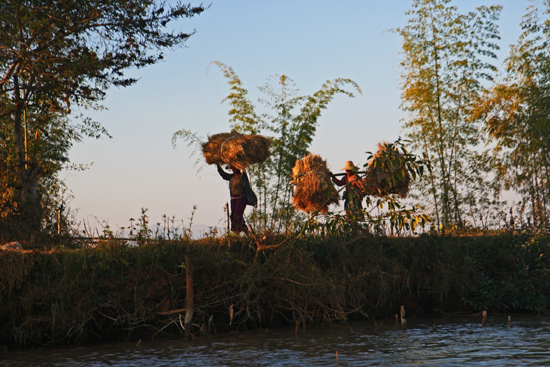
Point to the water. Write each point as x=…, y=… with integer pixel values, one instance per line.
x=426, y=342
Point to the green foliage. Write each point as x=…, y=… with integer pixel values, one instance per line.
x=516, y=114
x=193, y=140
x=55, y=56
x=48, y=139
x=445, y=62
x=520, y=282
x=242, y=114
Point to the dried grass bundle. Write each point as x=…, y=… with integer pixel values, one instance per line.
x=314, y=188
x=236, y=149
x=387, y=173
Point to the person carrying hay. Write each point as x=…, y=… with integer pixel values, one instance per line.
x=355, y=191
x=241, y=196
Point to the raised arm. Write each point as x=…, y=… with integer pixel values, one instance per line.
x=225, y=175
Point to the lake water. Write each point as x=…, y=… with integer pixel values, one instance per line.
x=426, y=342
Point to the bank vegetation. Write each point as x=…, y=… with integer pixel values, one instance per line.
x=120, y=290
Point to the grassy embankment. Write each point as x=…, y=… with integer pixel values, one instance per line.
x=67, y=296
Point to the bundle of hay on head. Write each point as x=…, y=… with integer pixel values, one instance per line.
x=387, y=173
x=314, y=188
x=235, y=149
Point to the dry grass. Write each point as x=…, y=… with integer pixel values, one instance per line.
x=235, y=149
x=314, y=188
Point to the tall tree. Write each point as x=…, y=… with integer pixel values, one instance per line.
x=445, y=61
x=517, y=115
x=55, y=54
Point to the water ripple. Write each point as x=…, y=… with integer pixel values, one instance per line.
x=426, y=342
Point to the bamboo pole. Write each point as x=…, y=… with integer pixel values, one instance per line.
x=344, y=173
x=189, y=295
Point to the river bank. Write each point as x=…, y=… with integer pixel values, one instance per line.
x=115, y=292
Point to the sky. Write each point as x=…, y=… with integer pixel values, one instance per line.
x=310, y=41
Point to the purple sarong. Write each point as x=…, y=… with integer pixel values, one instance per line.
x=238, y=205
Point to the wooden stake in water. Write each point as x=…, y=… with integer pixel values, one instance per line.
x=510, y=321
x=403, y=319
x=484, y=318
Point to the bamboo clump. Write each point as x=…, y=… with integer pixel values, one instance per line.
x=314, y=189
x=387, y=173
x=235, y=149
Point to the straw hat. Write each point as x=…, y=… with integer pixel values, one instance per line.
x=349, y=166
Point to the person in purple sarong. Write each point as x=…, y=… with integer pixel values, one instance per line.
x=241, y=196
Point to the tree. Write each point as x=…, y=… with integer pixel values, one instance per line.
x=55, y=55
x=445, y=61
x=517, y=116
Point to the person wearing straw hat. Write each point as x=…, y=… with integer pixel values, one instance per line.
x=241, y=196
x=355, y=191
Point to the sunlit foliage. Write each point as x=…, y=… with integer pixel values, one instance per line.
x=445, y=62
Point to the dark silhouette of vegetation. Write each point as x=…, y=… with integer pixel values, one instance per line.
x=133, y=290
x=55, y=56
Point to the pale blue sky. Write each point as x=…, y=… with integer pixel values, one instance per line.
x=311, y=41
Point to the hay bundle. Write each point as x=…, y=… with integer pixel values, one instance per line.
x=236, y=149
x=387, y=173
x=314, y=188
